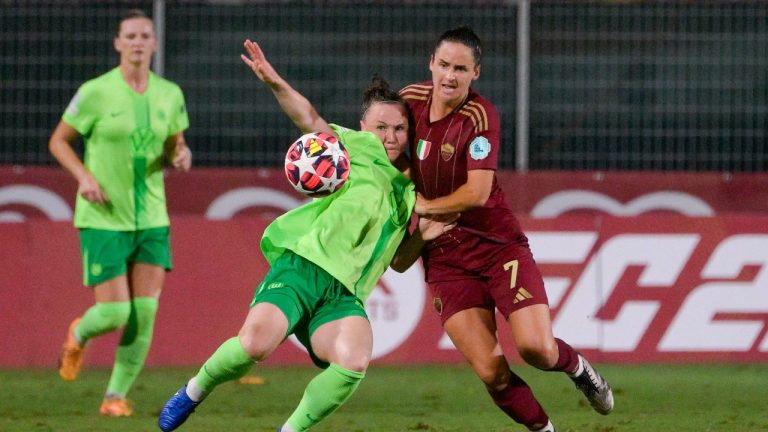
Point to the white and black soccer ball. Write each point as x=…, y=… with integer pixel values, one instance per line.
x=317, y=164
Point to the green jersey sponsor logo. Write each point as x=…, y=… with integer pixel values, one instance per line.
x=141, y=140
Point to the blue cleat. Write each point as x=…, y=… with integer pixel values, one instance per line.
x=176, y=410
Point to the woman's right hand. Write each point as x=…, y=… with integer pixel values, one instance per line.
x=433, y=226
x=90, y=190
x=259, y=64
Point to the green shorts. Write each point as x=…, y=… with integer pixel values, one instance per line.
x=308, y=296
x=106, y=253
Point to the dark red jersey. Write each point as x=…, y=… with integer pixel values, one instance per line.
x=444, y=151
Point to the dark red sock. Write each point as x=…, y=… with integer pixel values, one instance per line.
x=518, y=402
x=568, y=359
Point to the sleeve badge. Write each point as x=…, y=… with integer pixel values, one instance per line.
x=479, y=148
x=72, y=108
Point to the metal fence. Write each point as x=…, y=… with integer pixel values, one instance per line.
x=650, y=85
x=638, y=85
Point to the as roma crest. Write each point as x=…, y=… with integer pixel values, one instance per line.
x=446, y=151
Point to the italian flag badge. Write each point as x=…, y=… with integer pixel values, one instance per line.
x=422, y=149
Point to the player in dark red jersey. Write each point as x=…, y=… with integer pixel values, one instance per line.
x=485, y=262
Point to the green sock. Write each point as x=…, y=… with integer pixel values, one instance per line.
x=228, y=363
x=323, y=395
x=102, y=318
x=134, y=346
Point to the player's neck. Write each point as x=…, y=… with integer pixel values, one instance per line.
x=440, y=108
x=136, y=76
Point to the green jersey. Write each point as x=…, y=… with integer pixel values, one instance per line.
x=354, y=232
x=124, y=134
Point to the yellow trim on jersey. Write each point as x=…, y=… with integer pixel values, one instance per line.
x=477, y=113
x=472, y=109
x=416, y=92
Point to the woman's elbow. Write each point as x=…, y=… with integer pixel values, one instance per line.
x=54, y=145
x=401, y=263
x=398, y=266
x=479, y=198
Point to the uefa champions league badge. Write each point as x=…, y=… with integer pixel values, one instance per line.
x=72, y=106
x=480, y=148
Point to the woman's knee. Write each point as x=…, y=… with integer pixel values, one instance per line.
x=115, y=316
x=540, y=354
x=263, y=331
x=257, y=346
x=354, y=359
x=493, y=374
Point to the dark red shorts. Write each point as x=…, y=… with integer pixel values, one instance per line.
x=507, y=280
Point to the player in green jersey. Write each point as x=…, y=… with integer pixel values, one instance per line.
x=132, y=123
x=325, y=258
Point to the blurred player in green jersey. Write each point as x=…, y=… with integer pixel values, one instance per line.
x=325, y=258
x=132, y=123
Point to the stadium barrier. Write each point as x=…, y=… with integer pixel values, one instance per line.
x=640, y=267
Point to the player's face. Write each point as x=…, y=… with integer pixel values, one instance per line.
x=453, y=70
x=136, y=41
x=389, y=121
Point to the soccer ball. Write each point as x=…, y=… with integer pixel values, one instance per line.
x=317, y=164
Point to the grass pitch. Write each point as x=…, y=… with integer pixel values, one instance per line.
x=702, y=398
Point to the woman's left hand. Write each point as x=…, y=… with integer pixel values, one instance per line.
x=182, y=157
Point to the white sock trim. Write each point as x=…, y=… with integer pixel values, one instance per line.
x=548, y=428
x=579, y=368
x=77, y=337
x=194, y=392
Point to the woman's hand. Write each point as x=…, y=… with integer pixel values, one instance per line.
x=259, y=64
x=433, y=226
x=182, y=157
x=90, y=190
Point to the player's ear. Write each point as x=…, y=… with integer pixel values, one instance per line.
x=476, y=75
